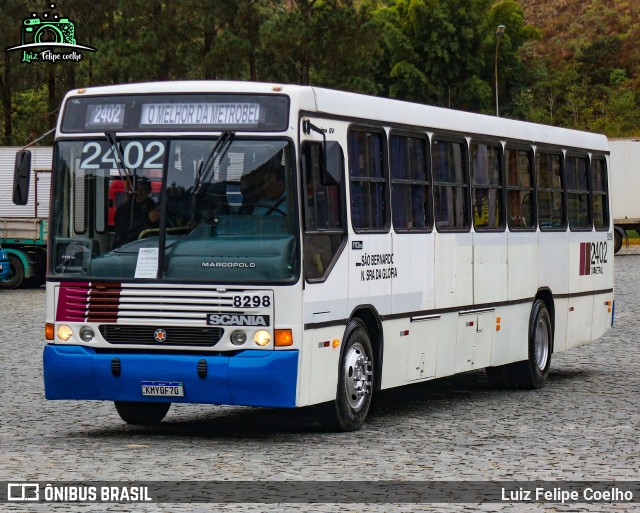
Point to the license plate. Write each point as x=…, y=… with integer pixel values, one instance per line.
x=163, y=388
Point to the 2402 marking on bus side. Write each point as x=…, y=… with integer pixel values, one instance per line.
x=598, y=253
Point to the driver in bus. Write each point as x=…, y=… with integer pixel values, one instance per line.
x=273, y=189
x=137, y=214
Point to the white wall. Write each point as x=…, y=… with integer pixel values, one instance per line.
x=39, y=186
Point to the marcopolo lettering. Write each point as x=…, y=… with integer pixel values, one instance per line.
x=241, y=265
x=221, y=319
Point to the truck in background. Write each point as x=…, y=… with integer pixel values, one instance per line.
x=24, y=229
x=624, y=165
x=4, y=265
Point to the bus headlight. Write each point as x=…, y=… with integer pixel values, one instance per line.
x=262, y=338
x=64, y=332
x=238, y=337
x=87, y=334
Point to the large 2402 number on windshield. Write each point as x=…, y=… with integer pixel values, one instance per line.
x=135, y=155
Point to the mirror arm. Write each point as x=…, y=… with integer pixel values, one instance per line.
x=307, y=128
x=39, y=138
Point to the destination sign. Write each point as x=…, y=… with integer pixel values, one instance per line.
x=176, y=112
x=110, y=115
x=154, y=114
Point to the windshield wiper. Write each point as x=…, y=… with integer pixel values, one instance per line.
x=123, y=171
x=205, y=170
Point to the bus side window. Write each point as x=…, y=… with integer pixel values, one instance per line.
x=486, y=173
x=368, y=182
x=600, y=202
x=450, y=185
x=520, y=204
x=551, y=205
x=577, y=169
x=410, y=188
x=323, y=213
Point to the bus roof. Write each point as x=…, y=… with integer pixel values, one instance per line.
x=371, y=108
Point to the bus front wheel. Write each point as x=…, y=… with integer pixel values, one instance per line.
x=142, y=414
x=355, y=381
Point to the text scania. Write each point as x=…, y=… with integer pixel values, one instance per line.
x=237, y=320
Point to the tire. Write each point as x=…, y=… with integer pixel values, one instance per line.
x=540, y=346
x=355, y=382
x=617, y=241
x=531, y=373
x=142, y=414
x=16, y=273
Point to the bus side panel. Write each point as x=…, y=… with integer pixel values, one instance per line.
x=489, y=267
x=446, y=353
x=523, y=265
x=580, y=305
x=553, y=262
x=454, y=271
x=602, y=303
x=510, y=341
x=602, y=312
x=422, y=349
x=413, y=288
x=370, y=273
x=322, y=365
x=410, y=346
x=561, y=305
x=323, y=302
x=473, y=344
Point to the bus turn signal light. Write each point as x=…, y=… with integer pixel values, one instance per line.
x=48, y=331
x=284, y=338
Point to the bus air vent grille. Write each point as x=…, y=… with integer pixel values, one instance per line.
x=173, y=335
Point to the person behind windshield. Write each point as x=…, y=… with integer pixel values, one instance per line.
x=137, y=214
x=274, y=195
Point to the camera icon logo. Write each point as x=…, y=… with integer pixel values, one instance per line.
x=60, y=31
x=23, y=492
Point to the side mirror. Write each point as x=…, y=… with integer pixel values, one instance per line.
x=332, y=164
x=21, y=177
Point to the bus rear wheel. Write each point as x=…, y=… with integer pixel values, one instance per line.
x=531, y=373
x=142, y=414
x=355, y=382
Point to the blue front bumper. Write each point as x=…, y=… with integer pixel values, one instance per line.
x=250, y=378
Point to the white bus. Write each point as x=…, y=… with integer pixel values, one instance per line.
x=311, y=247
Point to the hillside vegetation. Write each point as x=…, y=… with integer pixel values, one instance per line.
x=573, y=63
x=586, y=64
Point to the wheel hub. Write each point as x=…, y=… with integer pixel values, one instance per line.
x=541, y=344
x=358, y=374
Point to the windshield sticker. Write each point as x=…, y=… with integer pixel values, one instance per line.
x=147, y=265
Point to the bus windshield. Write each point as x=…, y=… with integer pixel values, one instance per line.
x=199, y=209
